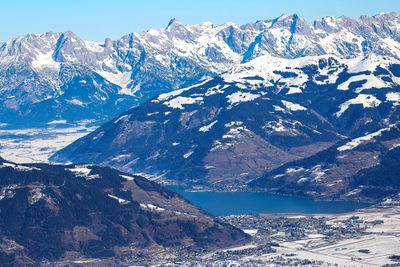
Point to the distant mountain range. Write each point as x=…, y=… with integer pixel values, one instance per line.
x=58, y=76
x=71, y=214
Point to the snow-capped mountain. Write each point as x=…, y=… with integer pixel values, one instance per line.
x=231, y=129
x=64, y=215
x=77, y=79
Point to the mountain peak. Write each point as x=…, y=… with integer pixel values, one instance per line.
x=293, y=22
x=69, y=34
x=200, y=52
x=66, y=45
x=108, y=43
x=386, y=14
x=173, y=22
x=287, y=20
x=177, y=29
x=289, y=17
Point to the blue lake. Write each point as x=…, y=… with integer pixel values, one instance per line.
x=227, y=203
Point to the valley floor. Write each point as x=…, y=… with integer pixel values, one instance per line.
x=35, y=145
x=368, y=237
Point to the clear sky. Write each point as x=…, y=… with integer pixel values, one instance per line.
x=97, y=19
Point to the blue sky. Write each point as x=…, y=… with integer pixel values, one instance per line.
x=97, y=19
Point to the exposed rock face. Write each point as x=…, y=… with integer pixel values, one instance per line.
x=61, y=213
x=77, y=79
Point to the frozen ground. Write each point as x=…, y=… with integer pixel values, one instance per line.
x=37, y=144
x=368, y=237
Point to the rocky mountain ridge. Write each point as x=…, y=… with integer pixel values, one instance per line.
x=78, y=80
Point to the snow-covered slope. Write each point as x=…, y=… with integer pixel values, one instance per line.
x=362, y=168
x=256, y=116
x=60, y=71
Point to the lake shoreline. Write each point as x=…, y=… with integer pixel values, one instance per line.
x=221, y=203
x=246, y=189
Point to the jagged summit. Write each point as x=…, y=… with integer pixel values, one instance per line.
x=38, y=71
x=173, y=22
x=285, y=17
x=108, y=43
x=69, y=34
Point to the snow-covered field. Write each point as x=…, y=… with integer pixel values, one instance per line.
x=377, y=240
x=346, y=252
x=382, y=241
x=38, y=144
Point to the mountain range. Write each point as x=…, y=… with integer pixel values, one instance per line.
x=229, y=130
x=283, y=105
x=58, y=76
x=59, y=215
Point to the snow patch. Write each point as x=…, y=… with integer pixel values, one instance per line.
x=251, y=232
x=120, y=200
x=76, y=102
x=167, y=96
x=367, y=101
x=83, y=171
x=45, y=60
x=294, y=90
x=122, y=118
x=127, y=177
x=179, y=101
x=188, y=154
x=393, y=97
x=358, y=141
x=57, y=122
x=292, y=106
x=19, y=167
x=151, y=207
x=95, y=47
x=371, y=81
x=239, y=97
x=206, y=128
